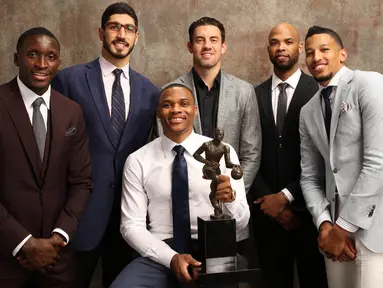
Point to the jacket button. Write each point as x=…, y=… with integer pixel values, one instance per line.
x=335, y=170
x=112, y=185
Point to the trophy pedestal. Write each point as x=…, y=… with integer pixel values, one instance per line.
x=221, y=265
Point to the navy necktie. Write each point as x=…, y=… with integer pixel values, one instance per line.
x=282, y=106
x=118, y=107
x=180, y=202
x=326, y=92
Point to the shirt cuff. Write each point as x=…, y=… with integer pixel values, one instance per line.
x=289, y=196
x=325, y=216
x=18, y=247
x=342, y=223
x=62, y=233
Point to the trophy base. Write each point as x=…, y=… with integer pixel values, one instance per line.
x=220, y=217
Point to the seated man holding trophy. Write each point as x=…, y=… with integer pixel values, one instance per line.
x=165, y=190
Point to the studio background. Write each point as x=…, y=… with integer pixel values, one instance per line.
x=161, y=53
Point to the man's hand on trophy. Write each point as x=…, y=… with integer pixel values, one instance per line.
x=180, y=264
x=225, y=192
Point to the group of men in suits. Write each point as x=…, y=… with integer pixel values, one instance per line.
x=308, y=153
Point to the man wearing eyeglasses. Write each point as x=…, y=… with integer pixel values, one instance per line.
x=119, y=106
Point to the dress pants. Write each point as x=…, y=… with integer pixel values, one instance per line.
x=365, y=272
x=279, y=248
x=115, y=254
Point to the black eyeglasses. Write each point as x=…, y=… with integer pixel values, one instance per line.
x=116, y=27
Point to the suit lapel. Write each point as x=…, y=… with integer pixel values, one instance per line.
x=341, y=92
x=134, y=106
x=96, y=87
x=225, y=91
x=15, y=105
x=188, y=81
x=301, y=93
x=266, y=104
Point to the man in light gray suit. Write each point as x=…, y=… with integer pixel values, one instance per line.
x=341, y=130
x=223, y=100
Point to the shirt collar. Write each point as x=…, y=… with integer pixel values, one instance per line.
x=199, y=81
x=191, y=144
x=29, y=96
x=335, y=80
x=292, y=80
x=107, y=68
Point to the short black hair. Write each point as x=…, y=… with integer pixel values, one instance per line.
x=322, y=30
x=34, y=31
x=118, y=8
x=204, y=21
x=174, y=85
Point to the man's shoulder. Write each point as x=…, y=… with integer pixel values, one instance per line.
x=75, y=70
x=64, y=102
x=237, y=81
x=146, y=151
x=367, y=77
x=145, y=81
x=183, y=79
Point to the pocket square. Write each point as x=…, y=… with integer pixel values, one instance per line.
x=71, y=131
x=344, y=108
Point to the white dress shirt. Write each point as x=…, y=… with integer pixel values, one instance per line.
x=29, y=97
x=147, y=189
x=108, y=78
x=326, y=216
x=290, y=89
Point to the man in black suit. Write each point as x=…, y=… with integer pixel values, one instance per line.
x=283, y=227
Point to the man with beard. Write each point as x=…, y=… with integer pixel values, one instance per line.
x=341, y=130
x=223, y=100
x=119, y=106
x=283, y=226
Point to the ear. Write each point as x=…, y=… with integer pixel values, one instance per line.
x=136, y=40
x=189, y=45
x=223, y=48
x=195, y=110
x=16, y=59
x=300, y=47
x=343, y=55
x=101, y=34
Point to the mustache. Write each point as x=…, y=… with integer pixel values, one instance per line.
x=121, y=41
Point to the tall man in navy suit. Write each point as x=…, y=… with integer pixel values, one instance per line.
x=119, y=107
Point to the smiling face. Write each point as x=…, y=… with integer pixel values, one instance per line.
x=38, y=60
x=284, y=47
x=207, y=47
x=176, y=110
x=118, y=43
x=324, y=57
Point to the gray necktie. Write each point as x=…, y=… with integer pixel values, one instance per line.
x=39, y=126
x=282, y=105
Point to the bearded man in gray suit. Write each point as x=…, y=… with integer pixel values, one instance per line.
x=223, y=100
x=341, y=130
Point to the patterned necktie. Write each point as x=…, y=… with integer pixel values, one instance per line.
x=118, y=107
x=180, y=202
x=39, y=126
x=282, y=106
x=326, y=92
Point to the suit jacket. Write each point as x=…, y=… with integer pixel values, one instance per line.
x=84, y=84
x=238, y=116
x=280, y=164
x=36, y=197
x=352, y=161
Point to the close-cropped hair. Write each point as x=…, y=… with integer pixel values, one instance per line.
x=314, y=30
x=204, y=21
x=118, y=8
x=32, y=32
x=174, y=85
